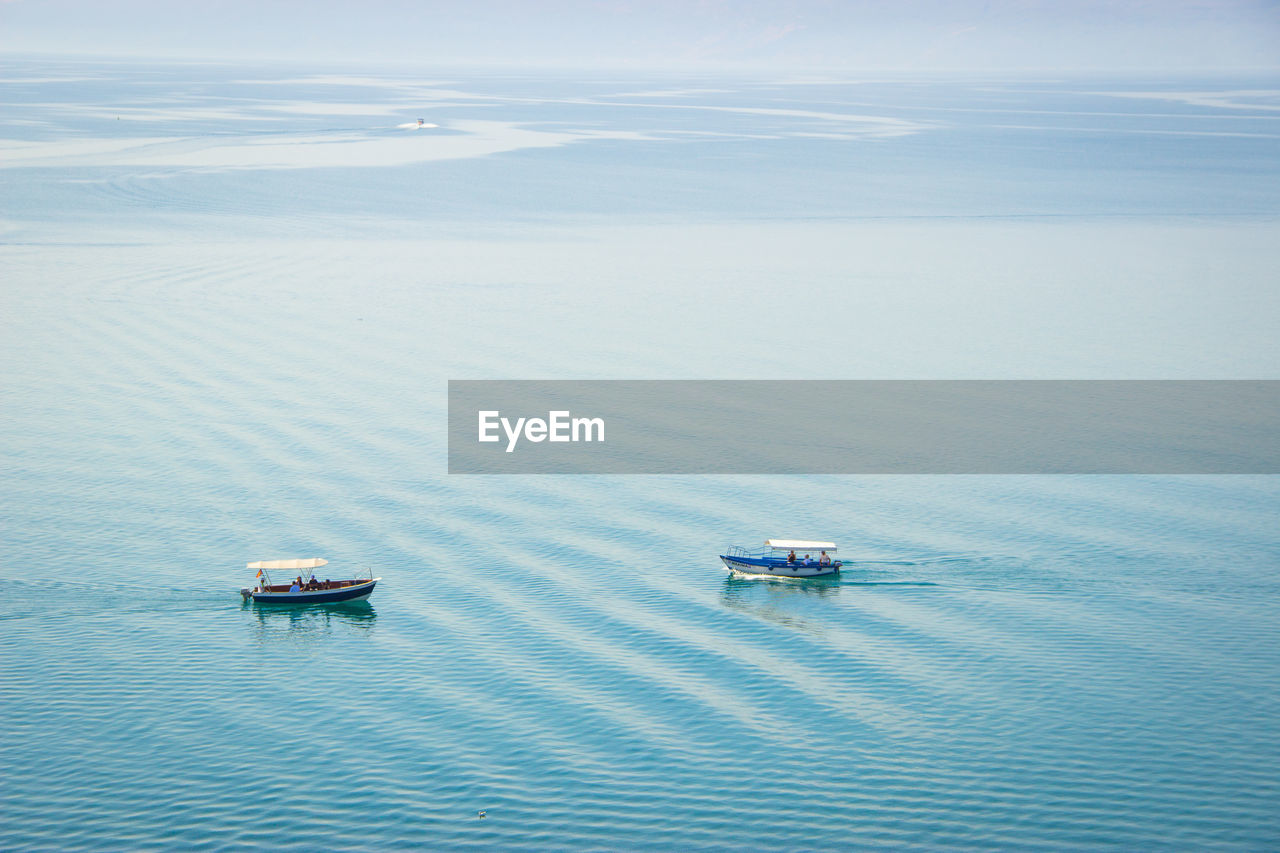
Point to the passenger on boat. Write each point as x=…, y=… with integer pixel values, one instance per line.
x=791, y=558
x=824, y=560
x=806, y=559
x=297, y=587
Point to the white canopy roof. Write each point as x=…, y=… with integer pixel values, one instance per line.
x=313, y=563
x=800, y=545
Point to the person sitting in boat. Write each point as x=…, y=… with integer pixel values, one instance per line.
x=791, y=558
x=297, y=585
x=824, y=560
x=806, y=559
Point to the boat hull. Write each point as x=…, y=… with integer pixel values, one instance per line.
x=778, y=568
x=355, y=592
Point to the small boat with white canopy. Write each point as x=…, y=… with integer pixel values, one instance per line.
x=304, y=587
x=786, y=558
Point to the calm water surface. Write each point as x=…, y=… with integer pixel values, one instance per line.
x=232, y=299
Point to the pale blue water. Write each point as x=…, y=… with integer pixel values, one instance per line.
x=209, y=358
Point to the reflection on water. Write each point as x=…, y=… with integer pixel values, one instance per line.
x=312, y=621
x=779, y=600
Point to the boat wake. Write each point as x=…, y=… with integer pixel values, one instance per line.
x=925, y=561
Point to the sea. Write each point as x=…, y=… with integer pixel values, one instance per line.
x=232, y=296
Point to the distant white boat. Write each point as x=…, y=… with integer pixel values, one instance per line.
x=786, y=558
x=418, y=125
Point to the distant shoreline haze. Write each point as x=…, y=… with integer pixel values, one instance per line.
x=802, y=35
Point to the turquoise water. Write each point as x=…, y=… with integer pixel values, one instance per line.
x=226, y=324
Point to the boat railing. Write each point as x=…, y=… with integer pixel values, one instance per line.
x=739, y=551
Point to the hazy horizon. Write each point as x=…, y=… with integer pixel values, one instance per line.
x=804, y=35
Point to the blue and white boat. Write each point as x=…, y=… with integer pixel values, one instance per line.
x=309, y=591
x=786, y=558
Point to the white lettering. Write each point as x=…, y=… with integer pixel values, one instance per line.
x=559, y=426
x=486, y=425
x=513, y=435
x=587, y=424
